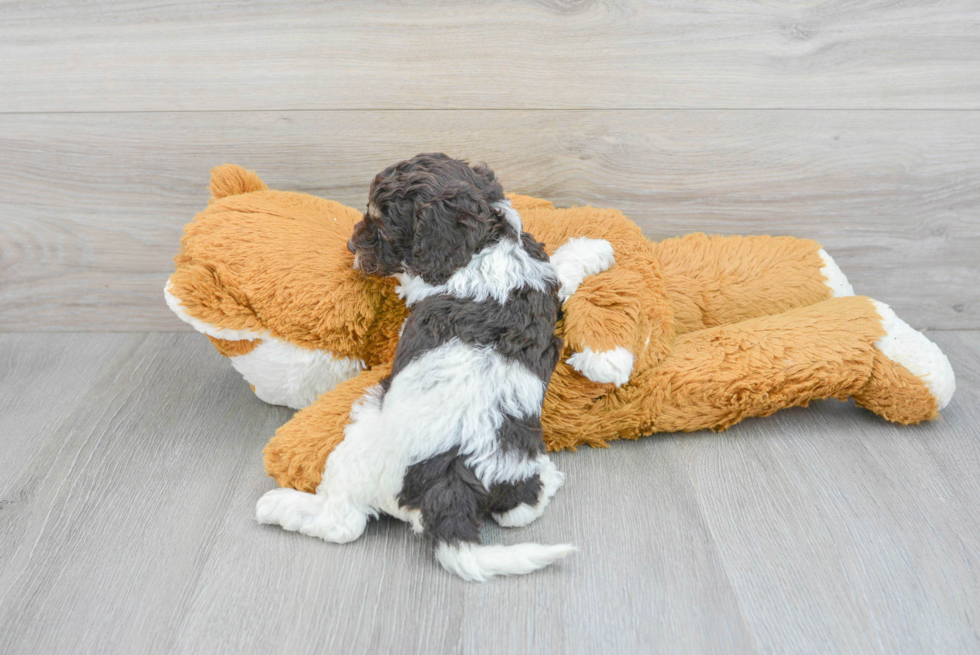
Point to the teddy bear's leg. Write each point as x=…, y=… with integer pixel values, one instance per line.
x=615, y=321
x=843, y=347
x=714, y=378
x=602, y=312
x=602, y=321
x=717, y=280
x=297, y=454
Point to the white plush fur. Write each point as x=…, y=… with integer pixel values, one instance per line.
x=605, y=366
x=471, y=389
x=524, y=514
x=478, y=563
x=906, y=346
x=282, y=373
x=491, y=273
x=215, y=331
x=836, y=280
x=579, y=258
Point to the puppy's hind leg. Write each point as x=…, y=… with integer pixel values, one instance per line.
x=516, y=504
x=316, y=515
x=331, y=513
x=293, y=510
x=336, y=512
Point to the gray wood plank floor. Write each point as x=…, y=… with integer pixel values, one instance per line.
x=132, y=463
x=125, y=55
x=94, y=204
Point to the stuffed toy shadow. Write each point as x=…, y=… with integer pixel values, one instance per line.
x=691, y=333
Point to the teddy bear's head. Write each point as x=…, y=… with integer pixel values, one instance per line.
x=256, y=264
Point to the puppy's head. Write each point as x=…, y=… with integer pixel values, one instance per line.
x=427, y=216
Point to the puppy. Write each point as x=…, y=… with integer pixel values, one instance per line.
x=453, y=435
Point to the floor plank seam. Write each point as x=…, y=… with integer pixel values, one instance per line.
x=480, y=109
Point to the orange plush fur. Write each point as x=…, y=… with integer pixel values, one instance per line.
x=720, y=328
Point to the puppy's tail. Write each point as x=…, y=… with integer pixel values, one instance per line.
x=479, y=563
x=231, y=180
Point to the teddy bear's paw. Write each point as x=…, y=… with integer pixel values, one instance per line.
x=579, y=258
x=904, y=345
x=524, y=514
x=607, y=366
x=836, y=280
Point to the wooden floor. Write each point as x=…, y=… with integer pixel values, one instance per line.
x=134, y=461
x=854, y=124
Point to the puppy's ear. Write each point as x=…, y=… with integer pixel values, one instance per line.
x=449, y=229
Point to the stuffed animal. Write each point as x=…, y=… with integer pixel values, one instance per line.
x=691, y=333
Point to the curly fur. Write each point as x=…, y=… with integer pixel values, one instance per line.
x=453, y=435
x=427, y=216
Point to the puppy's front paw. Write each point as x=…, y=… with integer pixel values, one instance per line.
x=607, y=366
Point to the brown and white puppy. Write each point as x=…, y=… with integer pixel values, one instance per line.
x=453, y=435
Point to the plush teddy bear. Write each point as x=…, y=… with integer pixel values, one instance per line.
x=691, y=333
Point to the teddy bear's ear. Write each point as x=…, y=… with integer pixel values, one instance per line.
x=522, y=203
x=231, y=180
